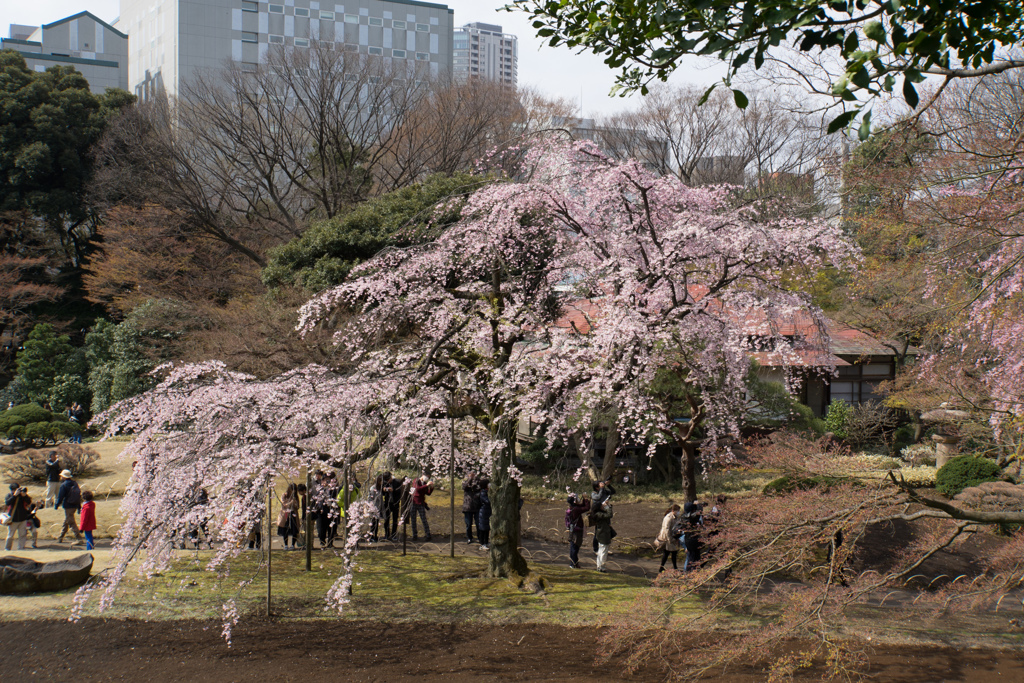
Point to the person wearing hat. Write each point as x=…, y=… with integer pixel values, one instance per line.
x=69, y=496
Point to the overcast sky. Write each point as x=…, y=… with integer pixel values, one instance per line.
x=554, y=71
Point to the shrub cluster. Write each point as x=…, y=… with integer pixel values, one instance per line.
x=30, y=465
x=964, y=471
x=33, y=425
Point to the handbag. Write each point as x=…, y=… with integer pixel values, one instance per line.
x=35, y=522
x=5, y=518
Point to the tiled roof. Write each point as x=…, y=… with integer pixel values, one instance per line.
x=583, y=314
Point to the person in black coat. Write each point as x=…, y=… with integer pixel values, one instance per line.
x=471, y=488
x=18, y=505
x=53, y=469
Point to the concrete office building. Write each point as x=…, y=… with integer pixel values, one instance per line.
x=89, y=44
x=170, y=40
x=483, y=51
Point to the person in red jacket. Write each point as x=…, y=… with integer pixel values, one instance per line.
x=421, y=488
x=88, y=520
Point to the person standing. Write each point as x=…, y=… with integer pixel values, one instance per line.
x=694, y=522
x=69, y=496
x=603, y=490
x=53, y=469
x=288, y=518
x=392, y=491
x=376, y=498
x=483, y=518
x=17, y=505
x=77, y=416
x=574, y=523
x=421, y=488
x=601, y=518
x=668, y=540
x=471, y=504
x=88, y=519
x=303, y=511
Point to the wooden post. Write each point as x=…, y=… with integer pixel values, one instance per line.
x=451, y=464
x=309, y=520
x=267, y=541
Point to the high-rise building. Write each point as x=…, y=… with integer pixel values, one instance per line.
x=170, y=40
x=483, y=51
x=94, y=47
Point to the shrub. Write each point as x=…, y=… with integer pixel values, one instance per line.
x=870, y=423
x=541, y=456
x=789, y=483
x=903, y=437
x=32, y=425
x=836, y=418
x=919, y=454
x=964, y=471
x=30, y=465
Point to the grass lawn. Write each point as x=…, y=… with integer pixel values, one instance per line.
x=386, y=586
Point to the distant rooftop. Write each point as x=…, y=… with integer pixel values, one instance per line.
x=21, y=31
x=494, y=28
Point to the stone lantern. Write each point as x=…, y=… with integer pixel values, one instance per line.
x=945, y=441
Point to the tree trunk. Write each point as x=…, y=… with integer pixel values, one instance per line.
x=585, y=451
x=687, y=465
x=611, y=444
x=505, y=559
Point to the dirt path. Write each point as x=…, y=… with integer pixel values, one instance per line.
x=111, y=650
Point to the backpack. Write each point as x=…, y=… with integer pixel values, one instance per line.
x=74, y=497
x=679, y=527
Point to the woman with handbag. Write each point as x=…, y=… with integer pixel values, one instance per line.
x=668, y=538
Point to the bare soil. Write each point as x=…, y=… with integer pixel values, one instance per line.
x=112, y=650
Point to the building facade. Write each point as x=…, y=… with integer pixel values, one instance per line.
x=171, y=40
x=92, y=46
x=483, y=51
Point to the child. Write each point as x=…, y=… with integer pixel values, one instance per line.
x=88, y=524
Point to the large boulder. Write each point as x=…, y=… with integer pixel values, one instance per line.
x=21, y=576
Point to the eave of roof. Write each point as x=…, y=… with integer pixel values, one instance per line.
x=85, y=13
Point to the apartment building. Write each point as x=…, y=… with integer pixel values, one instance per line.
x=171, y=40
x=483, y=51
x=95, y=48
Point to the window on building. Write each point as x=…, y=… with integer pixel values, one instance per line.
x=329, y=16
x=400, y=54
x=249, y=67
x=301, y=12
x=375, y=50
x=276, y=9
x=398, y=24
x=423, y=28
x=248, y=6
x=351, y=19
x=350, y=47
x=376, y=21
x=249, y=37
x=422, y=57
x=859, y=383
x=302, y=42
x=277, y=40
